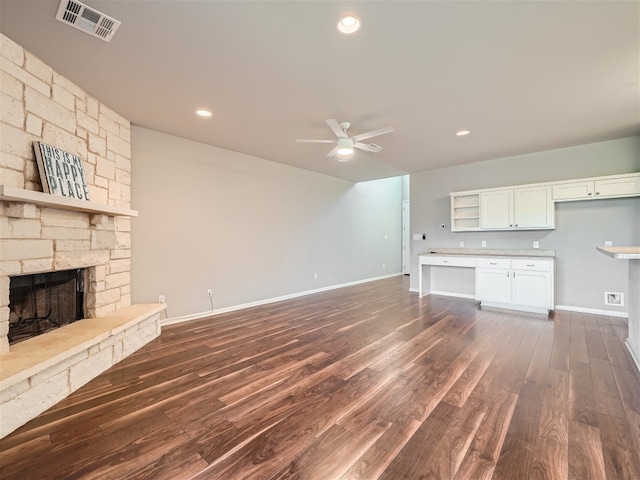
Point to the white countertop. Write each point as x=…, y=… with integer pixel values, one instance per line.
x=498, y=252
x=626, y=253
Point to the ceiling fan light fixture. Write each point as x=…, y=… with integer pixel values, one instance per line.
x=345, y=147
x=201, y=112
x=462, y=133
x=349, y=23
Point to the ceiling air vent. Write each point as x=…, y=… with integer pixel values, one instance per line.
x=85, y=18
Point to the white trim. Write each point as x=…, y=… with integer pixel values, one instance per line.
x=635, y=355
x=516, y=307
x=445, y=294
x=197, y=316
x=452, y=294
x=568, y=308
x=186, y=318
x=594, y=311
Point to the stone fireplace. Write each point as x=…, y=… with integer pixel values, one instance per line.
x=42, y=233
x=38, y=104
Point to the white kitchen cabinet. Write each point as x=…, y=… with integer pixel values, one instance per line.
x=528, y=208
x=532, y=207
x=496, y=210
x=627, y=185
x=465, y=212
x=519, y=284
x=493, y=280
x=613, y=186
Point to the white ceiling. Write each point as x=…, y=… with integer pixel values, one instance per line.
x=523, y=76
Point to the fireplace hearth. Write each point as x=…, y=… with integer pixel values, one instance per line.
x=42, y=302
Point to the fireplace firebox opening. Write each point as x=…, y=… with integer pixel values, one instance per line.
x=42, y=302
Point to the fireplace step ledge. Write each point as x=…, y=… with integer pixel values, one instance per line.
x=37, y=354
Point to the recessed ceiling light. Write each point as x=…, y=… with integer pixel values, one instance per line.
x=203, y=113
x=462, y=133
x=349, y=23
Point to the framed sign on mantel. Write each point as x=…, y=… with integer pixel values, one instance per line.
x=61, y=172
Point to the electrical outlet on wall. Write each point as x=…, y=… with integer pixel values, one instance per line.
x=614, y=298
x=536, y=244
x=462, y=243
x=608, y=243
x=484, y=243
x=162, y=299
x=209, y=293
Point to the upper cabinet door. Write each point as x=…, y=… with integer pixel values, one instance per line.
x=573, y=191
x=496, y=210
x=618, y=187
x=533, y=207
x=603, y=187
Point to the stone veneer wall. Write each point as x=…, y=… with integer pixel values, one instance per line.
x=38, y=104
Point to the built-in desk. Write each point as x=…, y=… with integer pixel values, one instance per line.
x=632, y=254
x=513, y=279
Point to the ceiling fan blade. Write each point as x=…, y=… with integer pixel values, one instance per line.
x=306, y=140
x=372, y=133
x=335, y=126
x=368, y=147
x=333, y=152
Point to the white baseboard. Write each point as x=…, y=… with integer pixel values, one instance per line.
x=517, y=308
x=569, y=308
x=594, y=311
x=187, y=318
x=452, y=294
x=635, y=355
x=233, y=308
x=445, y=294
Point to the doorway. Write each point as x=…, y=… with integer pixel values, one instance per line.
x=406, y=246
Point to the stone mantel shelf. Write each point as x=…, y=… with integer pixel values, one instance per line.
x=13, y=194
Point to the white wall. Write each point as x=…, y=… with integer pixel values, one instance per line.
x=248, y=228
x=582, y=273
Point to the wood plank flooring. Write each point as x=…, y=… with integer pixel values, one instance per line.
x=366, y=382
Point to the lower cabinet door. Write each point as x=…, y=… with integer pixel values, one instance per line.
x=531, y=288
x=493, y=285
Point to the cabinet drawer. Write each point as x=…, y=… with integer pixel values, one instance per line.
x=531, y=264
x=494, y=263
x=448, y=261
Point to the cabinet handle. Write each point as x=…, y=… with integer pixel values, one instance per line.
x=514, y=274
x=516, y=224
x=528, y=265
x=597, y=193
x=510, y=225
x=507, y=274
x=492, y=263
x=445, y=261
x=589, y=193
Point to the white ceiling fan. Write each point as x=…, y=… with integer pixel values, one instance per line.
x=345, y=144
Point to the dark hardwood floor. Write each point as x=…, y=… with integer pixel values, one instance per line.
x=366, y=382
